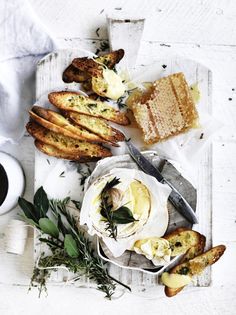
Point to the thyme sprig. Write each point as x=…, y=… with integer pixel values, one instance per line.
x=84, y=171
x=67, y=244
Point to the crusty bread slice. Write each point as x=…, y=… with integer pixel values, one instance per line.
x=94, y=67
x=111, y=59
x=66, y=144
x=195, y=250
x=83, y=68
x=167, y=111
x=196, y=266
x=52, y=151
x=98, y=126
x=57, y=123
x=181, y=240
x=89, y=66
x=104, y=81
x=75, y=102
x=72, y=74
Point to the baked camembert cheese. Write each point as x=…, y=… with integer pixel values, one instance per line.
x=138, y=210
x=131, y=193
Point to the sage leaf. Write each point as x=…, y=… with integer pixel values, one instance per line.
x=41, y=202
x=29, y=209
x=122, y=215
x=48, y=227
x=71, y=246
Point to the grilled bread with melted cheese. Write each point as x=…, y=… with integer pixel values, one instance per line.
x=57, y=123
x=111, y=59
x=94, y=67
x=104, y=81
x=97, y=126
x=166, y=109
x=82, y=69
x=75, y=102
x=182, y=240
x=66, y=144
x=195, y=266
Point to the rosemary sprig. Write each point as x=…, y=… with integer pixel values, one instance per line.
x=68, y=245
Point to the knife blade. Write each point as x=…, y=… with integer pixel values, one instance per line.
x=178, y=201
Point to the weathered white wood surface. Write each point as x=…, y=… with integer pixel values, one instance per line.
x=194, y=22
x=126, y=33
x=201, y=30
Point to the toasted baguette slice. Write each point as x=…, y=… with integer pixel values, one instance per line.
x=98, y=126
x=66, y=144
x=72, y=74
x=196, y=266
x=77, y=72
x=89, y=66
x=57, y=123
x=94, y=67
x=195, y=250
x=181, y=240
x=111, y=59
x=75, y=102
x=104, y=81
x=52, y=151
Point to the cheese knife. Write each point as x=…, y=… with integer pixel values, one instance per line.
x=178, y=201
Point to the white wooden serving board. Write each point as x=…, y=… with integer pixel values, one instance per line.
x=48, y=170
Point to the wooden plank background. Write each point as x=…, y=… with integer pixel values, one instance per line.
x=203, y=30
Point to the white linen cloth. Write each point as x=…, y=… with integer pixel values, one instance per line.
x=23, y=41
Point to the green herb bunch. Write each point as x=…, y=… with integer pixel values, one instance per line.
x=122, y=215
x=68, y=245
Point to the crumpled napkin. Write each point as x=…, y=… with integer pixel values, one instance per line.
x=23, y=41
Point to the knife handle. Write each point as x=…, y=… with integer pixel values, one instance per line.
x=181, y=204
